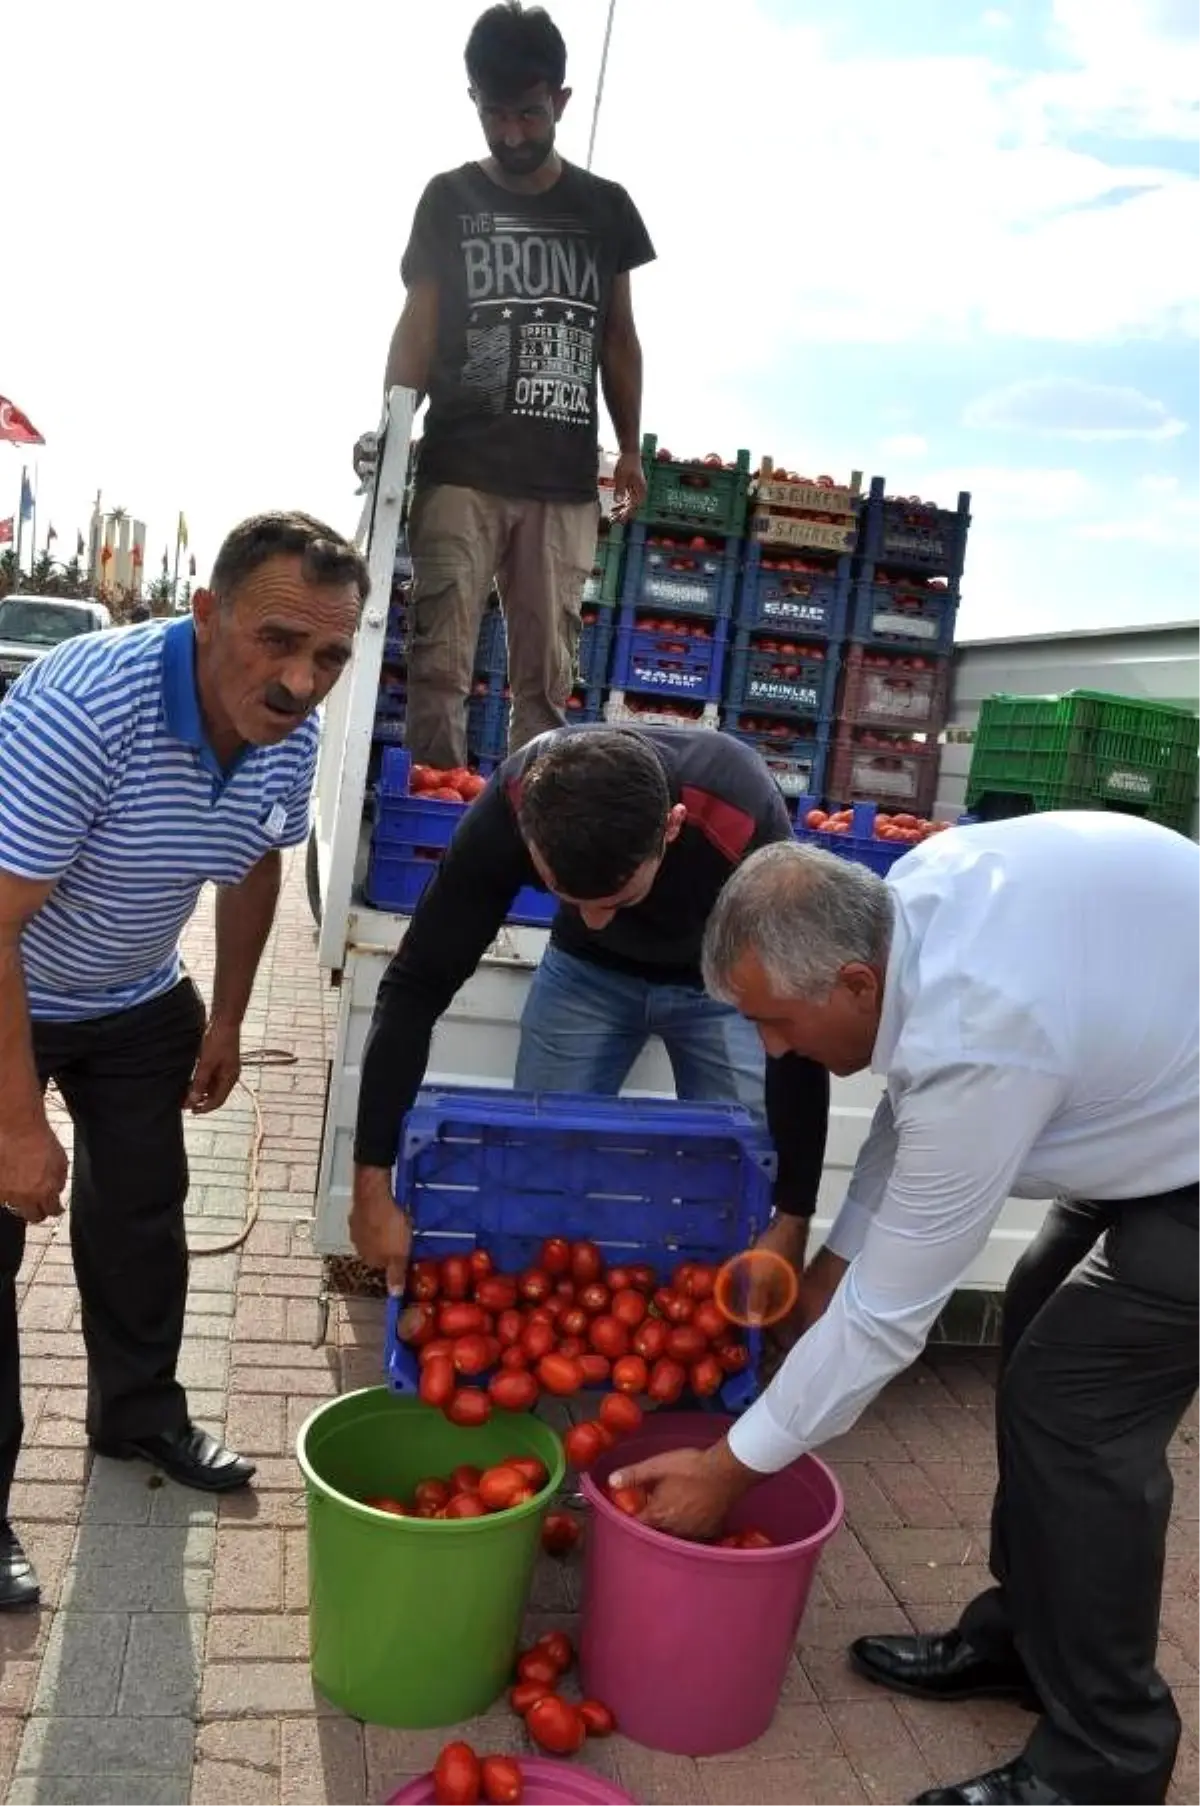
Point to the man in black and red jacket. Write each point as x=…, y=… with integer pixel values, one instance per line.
x=635, y=831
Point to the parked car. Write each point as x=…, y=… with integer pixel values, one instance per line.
x=31, y=625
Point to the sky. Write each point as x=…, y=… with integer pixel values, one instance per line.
x=939, y=242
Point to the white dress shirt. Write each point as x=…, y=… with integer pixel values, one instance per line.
x=1038, y=1036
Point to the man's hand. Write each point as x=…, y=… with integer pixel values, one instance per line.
x=33, y=1172
x=380, y=1230
x=365, y=458
x=629, y=486
x=217, y=1069
x=691, y=1490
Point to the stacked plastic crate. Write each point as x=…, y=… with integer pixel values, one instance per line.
x=677, y=590
x=894, y=688
x=789, y=622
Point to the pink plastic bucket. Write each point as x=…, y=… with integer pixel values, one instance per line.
x=546, y=1784
x=687, y=1643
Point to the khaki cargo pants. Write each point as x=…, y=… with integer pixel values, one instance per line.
x=540, y=554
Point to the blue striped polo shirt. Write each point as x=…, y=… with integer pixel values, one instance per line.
x=108, y=786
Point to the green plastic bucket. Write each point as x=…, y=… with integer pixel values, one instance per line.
x=414, y=1623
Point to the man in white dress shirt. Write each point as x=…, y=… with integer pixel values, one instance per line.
x=1028, y=992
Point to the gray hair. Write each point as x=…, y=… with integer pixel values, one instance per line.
x=805, y=914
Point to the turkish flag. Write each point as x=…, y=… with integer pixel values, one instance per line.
x=6, y=531
x=16, y=427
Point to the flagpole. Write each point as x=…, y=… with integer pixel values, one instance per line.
x=175, y=572
x=20, y=521
x=33, y=523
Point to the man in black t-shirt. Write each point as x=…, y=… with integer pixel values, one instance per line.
x=517, y=273
x=635, y=832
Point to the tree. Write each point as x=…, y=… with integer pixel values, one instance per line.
x=160, y=596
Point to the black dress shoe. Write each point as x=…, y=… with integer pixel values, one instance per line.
x=190, y=1455
x=18, y=1582
x=940, y=1667
x=1013, y=1785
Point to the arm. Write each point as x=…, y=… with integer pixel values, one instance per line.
x=414, y=341
x=797, y=1107
x=33, y=1166
x=621, y=381
x=245, y=912
x=456, y=921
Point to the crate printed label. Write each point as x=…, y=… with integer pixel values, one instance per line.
x=792, y=608
x=910, y=627
x=673, y=589
x=811, y=496
x=882, y=780
x=669, y=680
x=912, y=545
x=690, y=501
x=794, y=778
x=591, y=589
x=763, y=689
x=894, y=696
x=1130, y=783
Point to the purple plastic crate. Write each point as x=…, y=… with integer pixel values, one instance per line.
x=668, y=664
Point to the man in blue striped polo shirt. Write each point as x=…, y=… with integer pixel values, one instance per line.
x=135, y=767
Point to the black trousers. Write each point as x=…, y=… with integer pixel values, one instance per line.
x=123, y=1079
x=1098, y=1366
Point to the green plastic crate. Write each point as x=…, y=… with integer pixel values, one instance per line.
x=602, y=587
x=1087, y=750
x=694, y=495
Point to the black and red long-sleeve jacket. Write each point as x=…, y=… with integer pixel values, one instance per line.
x=732, y=809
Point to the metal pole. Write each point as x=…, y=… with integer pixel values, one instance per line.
x=20, y=523
x=608, y=25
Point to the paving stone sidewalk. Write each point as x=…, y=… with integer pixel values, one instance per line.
x=168, y=1661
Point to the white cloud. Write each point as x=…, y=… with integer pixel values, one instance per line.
x=904, y=445
x=995, y=20
x=1158, y=512
x=1067, y=408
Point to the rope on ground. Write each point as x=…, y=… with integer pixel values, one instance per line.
x=258, y=1056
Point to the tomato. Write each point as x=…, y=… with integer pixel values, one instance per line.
x=686, y=1344
x=437, y=1381
x=619, y=1279
x=500, y=1776
x=701, y=1282
x=587, y=1262
x=502, y=1487
x=422, y=777
x=596, y=1368
x=560, y=1533
x=710, y=1321
x=541, y=1313
x=456, y=1276
x=495, y=1348
x=425, y=1280
x=650, y=1339
x=472, y=1355
x=630, y=1374
x=560, y=1374
x=643, y=1278
x=572, y=1347
x=620, y=1413
x=628, y=1307
x=514, y=1358
x=461, y=1319
x=526, y=1694
x=746, y=1539
x=555, y=1255
x=816, y=818
x=604, y=1435
x=632, y=1500
x=573, y=1322
x=513, y=1391
x=599, y=1720
x=417, y=1324
x=465, y=1505
x=706, y=1376
x=557, y=1645
x=733, y=1356
x=666, y=1381
x=608, y=1337
x=474, y=785
x=394, y=1507
x=531, y=1470
x=538, y=1665
x=496, y=1292
x=537, y=1339
x=673, y=1306
x=465, y=1478
x=583, y=1444
x=534, y=1285
x=469, y=1408
x=555, y=1724
x=594, y=1298
x=457, y=1776
x=553, y=1310
x=431, y=1492
x=509, y=1325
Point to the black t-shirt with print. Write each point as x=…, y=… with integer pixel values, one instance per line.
x=524, y=283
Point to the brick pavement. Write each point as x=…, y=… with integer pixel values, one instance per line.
x=168, y=1660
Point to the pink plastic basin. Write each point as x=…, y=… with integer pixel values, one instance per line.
x=546, y=1784
x=690, y=1644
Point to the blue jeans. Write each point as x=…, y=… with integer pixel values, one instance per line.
x=583, y=1026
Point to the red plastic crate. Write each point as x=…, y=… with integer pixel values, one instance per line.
x=870, y=766
x=908, y=690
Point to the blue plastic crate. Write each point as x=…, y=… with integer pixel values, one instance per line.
x=778, y=683
x=907, y=534
x=410, y=835
x=676, y=578
x=595, y=648
x=859, y=845
x=799, y=604
x=668, y=664
x=491, y=649
x=585, y=705
x=901, y=616
x=648, y=1180
x=796, y=762
x=487, y=725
